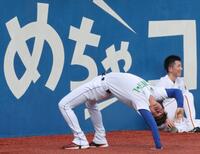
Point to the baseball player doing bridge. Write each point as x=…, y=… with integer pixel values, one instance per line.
x=129, y=89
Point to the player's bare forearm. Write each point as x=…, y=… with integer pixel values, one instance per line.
x=179, y=113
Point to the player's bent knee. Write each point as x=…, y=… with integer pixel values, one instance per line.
x=63, y=105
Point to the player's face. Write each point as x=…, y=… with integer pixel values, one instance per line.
x=157, y=110
x=176, y=69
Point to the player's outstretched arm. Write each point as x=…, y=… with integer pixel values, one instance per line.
x=152, y=124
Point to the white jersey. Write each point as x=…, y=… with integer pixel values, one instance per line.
x=132, y=89
x=166, y=82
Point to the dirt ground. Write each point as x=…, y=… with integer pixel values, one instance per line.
x=120, y=142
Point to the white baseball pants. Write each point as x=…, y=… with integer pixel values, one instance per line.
x=88, y=93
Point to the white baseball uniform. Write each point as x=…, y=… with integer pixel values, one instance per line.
x=128, y=88
x=170, y=105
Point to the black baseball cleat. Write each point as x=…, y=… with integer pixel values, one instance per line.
x=196, y=130
x=95, y=145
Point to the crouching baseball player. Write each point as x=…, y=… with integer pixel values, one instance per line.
x=128, y=88
x=173, y=79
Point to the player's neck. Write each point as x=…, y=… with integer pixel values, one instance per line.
x=172, y=77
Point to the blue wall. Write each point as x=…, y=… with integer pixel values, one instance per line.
x=42, y=58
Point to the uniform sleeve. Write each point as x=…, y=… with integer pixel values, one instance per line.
x=153, y=126
x=177, y=94
x=182, y=85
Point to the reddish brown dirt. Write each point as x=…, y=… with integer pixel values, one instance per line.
x=121, y=142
